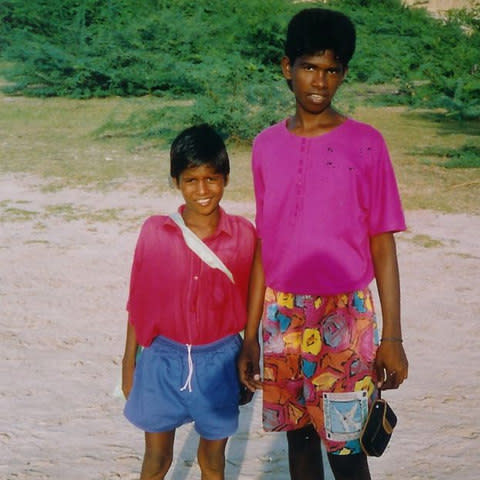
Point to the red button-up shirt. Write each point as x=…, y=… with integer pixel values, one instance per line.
x=175, y=294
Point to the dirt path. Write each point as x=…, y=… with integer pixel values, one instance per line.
x=65, y=259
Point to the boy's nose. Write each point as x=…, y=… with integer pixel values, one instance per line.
x=202, y=186
x=319, y=78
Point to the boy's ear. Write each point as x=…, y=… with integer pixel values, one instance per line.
x=227, y=178
x=286, y=68
x=174, y=182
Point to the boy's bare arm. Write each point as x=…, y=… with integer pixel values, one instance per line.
x=391, y=361
x=129, y=358
x=249, y=358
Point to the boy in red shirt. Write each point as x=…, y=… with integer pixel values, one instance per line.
x=187, y=312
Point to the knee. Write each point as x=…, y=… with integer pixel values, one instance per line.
x=155, y=465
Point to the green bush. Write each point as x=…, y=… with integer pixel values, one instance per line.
x=224, y=54
x=136, y=47
x=467, y=156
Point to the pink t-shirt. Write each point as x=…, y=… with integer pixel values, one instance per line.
x=175, y=294
x=319, y=200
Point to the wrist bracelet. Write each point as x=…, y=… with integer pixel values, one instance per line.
x=392, y=339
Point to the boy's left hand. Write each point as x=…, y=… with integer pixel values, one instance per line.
x=391, y=365
x=248, y=364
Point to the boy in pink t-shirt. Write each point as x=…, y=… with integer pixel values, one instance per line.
x=327, y=208
x=186, y=307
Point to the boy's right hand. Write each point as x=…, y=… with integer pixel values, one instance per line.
x=248, y=364
x=128, y=370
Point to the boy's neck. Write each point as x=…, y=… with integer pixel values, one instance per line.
x=312, y=125
x=202, y=225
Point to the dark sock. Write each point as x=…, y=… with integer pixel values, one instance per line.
x=349, y=467
x=305, y=454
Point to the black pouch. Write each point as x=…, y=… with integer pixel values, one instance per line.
x=245, y=395
x=378, y=428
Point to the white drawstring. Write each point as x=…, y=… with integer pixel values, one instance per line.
x=188, y=383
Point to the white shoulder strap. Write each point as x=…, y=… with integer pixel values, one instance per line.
x=200, y=248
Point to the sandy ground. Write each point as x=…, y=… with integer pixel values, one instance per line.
x=63, y=286
x=442, y=5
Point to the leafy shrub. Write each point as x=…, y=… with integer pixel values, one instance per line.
x=135, y=47
x=224, y=55
x=468, y=156
x=239, y=116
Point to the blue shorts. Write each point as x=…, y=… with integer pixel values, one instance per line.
x=173, y=386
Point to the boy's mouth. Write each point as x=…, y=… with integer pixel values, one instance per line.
x=203, y=202
x=317, y=97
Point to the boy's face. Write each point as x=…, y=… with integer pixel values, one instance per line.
x=202, y=189
x=314, y=79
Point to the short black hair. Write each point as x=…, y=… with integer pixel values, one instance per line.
x=314, y=30
x=196, y=146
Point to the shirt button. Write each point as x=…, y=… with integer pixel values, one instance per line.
x=195, y=277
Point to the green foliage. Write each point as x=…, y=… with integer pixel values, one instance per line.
x=467, y=20
x=460, y=96
x=136, y=47
x=468, y=156
x=239, y=116
x=434, y=63
x=223, y=56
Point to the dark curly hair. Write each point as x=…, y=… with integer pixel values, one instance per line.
x=314, y=30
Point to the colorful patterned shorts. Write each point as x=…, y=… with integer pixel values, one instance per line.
x=319, y=356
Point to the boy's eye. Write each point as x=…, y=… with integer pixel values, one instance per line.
x=189, y=180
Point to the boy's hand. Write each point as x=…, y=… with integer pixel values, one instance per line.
x=391, y=365
x=248, y=364
x=128, y=370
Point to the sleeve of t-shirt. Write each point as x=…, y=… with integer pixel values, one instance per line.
x=259, y=187
x=136, y=266
x=385, y=208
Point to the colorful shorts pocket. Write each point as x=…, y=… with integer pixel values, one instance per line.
x=344, y=415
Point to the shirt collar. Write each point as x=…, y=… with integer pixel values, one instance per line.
x=224, y=224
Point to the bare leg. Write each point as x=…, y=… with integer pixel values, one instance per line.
x=349, y=467
x=158, y=455
x=305, y=454
x=211, y=458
